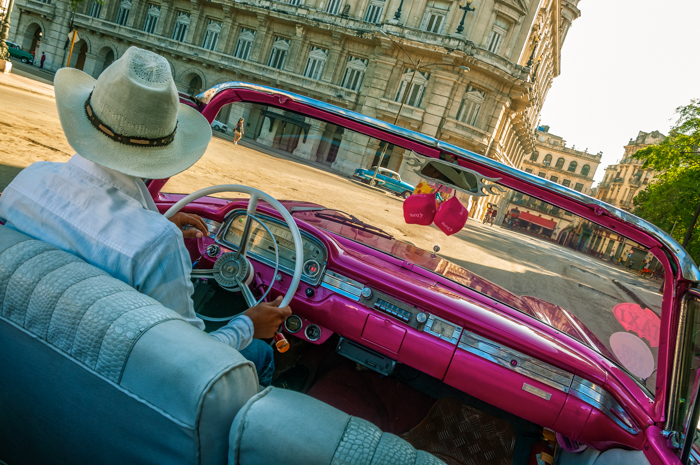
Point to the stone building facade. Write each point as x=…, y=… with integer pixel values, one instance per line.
x=359, y=55
x=623, y=181
x=553, y=160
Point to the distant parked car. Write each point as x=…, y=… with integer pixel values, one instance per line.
x=16, y=52
x=219, y=126
x=386, y=179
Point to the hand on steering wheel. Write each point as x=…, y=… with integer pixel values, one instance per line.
x=267, y=317
x=235, y=269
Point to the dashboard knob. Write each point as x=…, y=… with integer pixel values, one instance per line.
x=213, y=250
x=309, y=292
x=367, y=293
x=421, y=317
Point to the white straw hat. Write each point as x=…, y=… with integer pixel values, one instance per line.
x=130, y=118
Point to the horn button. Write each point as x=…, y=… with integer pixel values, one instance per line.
x=230, y=269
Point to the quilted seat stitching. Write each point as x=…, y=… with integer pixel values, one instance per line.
x=37, y=250
x=99, y=301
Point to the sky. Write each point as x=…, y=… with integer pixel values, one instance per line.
x=626, y=66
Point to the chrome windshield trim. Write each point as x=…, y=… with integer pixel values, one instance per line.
x=516, y=361
x=600, y=399
x=342, y=285
x=688, y=268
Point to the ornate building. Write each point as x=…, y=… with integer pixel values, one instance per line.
x=356, y=54
x=553, y=160
x=622, y=182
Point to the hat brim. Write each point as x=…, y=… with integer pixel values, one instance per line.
x=193, y=134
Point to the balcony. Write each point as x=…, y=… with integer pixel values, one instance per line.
x=636, y=182
x=604, y=185
x=626, y=205
x=617, y=180
x=44, y=9
x=390, y=108
x=277, y=77
x=457, y=129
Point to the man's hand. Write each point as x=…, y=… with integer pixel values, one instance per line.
x=267, y=318
x=197, y=228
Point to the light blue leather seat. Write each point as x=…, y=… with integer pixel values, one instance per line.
x=92, y=371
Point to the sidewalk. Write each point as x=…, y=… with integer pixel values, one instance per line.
x=28, y=84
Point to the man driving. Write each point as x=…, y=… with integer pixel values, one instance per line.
x=126, y=126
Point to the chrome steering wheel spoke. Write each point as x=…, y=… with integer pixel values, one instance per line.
x=245, y=236
x=247, y=294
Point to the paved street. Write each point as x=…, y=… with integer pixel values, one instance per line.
x=524, y=265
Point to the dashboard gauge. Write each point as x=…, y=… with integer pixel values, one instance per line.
x=311, y=268
x=443, y=328
x=293, y=324
x=312, y=332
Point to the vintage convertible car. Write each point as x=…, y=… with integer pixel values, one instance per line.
x=479, y=347
x=385, y=179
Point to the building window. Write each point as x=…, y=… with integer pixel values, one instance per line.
x=294, y=2
x=534, y=156
x=542, y=174
x=278, y=56
x=572, y=166
x=434, y=17
x=123, y=13
x=181, y=25
x=316, y=62
x=374, y=12
x=151, y=19
x=333, y=6
x=554, y=178
x=471, y=104
x=415, y=93
x=528, y=170
x=211, y=38
x=95, y=9
x=354, y=73
x=499, y=31
x=585, y=170
x=560, y=163
x=566, y=182
x=245, y=43
x=578, y=187
x=547, y=160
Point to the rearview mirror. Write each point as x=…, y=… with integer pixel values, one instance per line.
x=450, y=174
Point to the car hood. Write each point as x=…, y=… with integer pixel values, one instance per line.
x=549, y=313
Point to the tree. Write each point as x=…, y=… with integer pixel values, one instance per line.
x=673, y=199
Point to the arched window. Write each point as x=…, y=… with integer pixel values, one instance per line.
x=585, y=170
x=548, y=159
x=469, y=110
x=560, y=163
x=534, y=156
x=572, y=166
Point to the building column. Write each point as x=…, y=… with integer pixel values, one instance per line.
x=162, y=17
x=294, y=49
x=309, y=144
x=131, y=20
x=106, y=7
x=225, y=30
x=194, y=20
x=260, y=34
x=378, y=74
x=331, y=63
x=437, y=103
x=352, y=152
x=91, y=63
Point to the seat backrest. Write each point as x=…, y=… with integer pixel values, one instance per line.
x=92, y=371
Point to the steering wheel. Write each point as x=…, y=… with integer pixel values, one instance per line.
x=234, y=270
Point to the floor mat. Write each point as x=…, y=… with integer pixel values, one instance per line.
x=462, y=435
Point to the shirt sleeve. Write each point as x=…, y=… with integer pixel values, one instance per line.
x=164, y=274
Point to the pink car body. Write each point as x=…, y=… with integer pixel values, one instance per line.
x=580, y=394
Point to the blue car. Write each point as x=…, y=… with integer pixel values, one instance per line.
x=386, y=179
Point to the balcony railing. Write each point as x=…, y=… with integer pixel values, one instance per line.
x=41, y=8
x=391, y=107
x=634, y=182
x=617, y=180
x=466, y=130
x=195, y=53
x=589, y=177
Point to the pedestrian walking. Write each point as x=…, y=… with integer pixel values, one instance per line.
x=238, y=131
x=43, y=59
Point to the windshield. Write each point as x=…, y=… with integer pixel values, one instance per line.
x=549, y=264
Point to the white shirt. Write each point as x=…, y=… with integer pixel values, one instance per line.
x=109, y=220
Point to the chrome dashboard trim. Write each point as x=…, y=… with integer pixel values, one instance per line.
x=428, y=328
x=688, y=267
x=554, y=377
x=232, y=215
x=516, y=361
x=600, y=399
x=342, y=285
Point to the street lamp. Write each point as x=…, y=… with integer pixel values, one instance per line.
x=416, y=67
x=467, y=8
x=397, y=15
